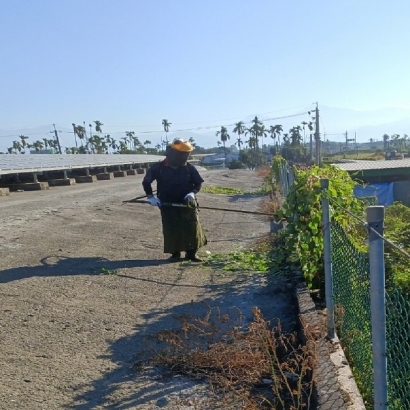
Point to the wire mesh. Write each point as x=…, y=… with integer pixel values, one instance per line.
x=351, y=287
x=398, y=348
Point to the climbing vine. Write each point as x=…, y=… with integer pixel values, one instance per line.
x=302, y=210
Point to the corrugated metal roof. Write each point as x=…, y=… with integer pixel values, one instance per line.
x=361, y=165
x=12, y=164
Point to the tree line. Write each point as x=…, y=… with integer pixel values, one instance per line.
x=92, y=141
x=250, y=141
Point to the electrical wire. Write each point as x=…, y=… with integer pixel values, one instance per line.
x=178, y=130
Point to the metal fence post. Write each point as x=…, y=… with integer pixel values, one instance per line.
x=375, y=219
x=324, y=184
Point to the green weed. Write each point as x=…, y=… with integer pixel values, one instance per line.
x=244, y=260
x=105, y=271
x=210, y=189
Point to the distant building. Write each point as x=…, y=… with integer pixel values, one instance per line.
x=219, y=159
x=382, y=174
x=44, y=151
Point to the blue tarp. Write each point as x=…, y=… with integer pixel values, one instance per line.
x=383, y=192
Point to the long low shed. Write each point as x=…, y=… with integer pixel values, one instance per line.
x=37, y=163
x=396, y=172
x=376, y=169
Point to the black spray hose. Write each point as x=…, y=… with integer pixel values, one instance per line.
x=138, y=201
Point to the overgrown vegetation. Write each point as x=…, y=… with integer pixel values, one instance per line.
x=397, y=229
x=303, y=241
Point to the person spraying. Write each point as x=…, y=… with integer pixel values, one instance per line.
x=178, y=182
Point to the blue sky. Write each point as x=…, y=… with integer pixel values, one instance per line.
x=131, y=63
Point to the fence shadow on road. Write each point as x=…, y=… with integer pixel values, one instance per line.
x=57, y=265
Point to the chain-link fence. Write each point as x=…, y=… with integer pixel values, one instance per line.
x=351, y=293
x=398, y=348
x=351, y=296
x=350, y=270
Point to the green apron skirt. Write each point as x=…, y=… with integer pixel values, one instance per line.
x=181, y=229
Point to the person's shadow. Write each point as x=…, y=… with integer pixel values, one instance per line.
x=57, y=265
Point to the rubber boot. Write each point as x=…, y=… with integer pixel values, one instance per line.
x=191, y=256
x=175, y=257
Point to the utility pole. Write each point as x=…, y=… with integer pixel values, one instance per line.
x=57, y=139
x=349, y=140
x=355, y=145
x=317, y=137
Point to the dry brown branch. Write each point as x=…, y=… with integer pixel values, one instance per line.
x=261, y=365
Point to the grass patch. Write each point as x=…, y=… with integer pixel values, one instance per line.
x=259, y=258
x=210, y=189
x=243, y=260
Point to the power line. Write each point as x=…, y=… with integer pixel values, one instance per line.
x=306, y=107
x=179, y=130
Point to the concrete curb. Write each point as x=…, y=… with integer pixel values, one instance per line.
x=335, y=387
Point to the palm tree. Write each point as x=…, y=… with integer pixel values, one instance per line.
x=256, y=130
x=262, y=133
x=75, y=133
x=23, y=142
x=38, y=145
x=386, y=138
x=91, y=130
x=129, y=135
x=113, y=144
x=192, y=141
x=295, y=136
x=123, y=148
x=275, y=131
x=45, y=143
x=136, y=144
x=240, y=130
x=81, y=133
x=17, y=146
x=223, y=133
x=98, y=125
x=304, y=123
x=166, y=126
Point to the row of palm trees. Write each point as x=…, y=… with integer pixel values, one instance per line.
x=257, y=132
x=395, y=141
x=94, y=142
x=92, y=145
